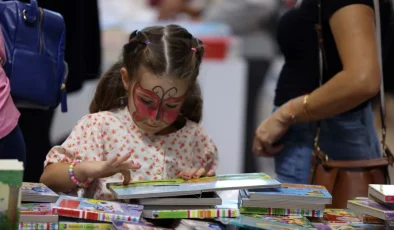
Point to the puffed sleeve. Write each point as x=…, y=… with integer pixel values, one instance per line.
x=206, y=151
x=84, y=143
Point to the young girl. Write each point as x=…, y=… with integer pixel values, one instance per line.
x=144, y=120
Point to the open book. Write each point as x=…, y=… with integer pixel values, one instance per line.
x=181, y=187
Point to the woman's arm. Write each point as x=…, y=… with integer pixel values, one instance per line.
x=354, y=33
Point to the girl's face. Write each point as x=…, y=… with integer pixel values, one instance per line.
x=154, y=102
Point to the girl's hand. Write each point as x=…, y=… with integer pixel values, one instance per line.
x=269, y=132
x=193, y=173
x=102, y=169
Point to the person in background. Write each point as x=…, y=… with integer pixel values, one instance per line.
x=12, y=145
x=83, y=55
x=342, y=104
x=144, y=121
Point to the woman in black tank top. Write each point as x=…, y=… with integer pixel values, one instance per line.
x=342, y=104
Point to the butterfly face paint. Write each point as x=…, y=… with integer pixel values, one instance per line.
x=156, y=104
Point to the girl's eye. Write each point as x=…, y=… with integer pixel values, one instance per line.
x=145, y=101
x=171, y=106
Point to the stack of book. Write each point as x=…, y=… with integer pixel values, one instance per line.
x=287, y=200
x=11, y=177
x=186, y=199
x=378, y=205
x=36, y=207
x=332, y=219
x=82, y=213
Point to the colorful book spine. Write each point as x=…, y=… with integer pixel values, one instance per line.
x=367, y=219
x=389, y=199
x=96, y=226
x=100, y=216
x=282, y=211
x=189, y=214
x=38, y=226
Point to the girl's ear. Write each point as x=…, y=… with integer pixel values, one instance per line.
x=125, y=78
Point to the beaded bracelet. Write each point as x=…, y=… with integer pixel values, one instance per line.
x=71, y=172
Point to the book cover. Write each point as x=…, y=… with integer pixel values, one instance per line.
x=37, y=212
x=30, y=192
x=122, y=225
x=38, y=226
x=321, y=226
x=290, y=190
x=96, y=209
x=356, y=226
x=281, y=211
x=384, y=191
x=371, y=208
x=11, y=176
x=73, y=225
x=36, y=209
x=340, y=216
x=293, y=220
x=367, y=219
x=257, y=223
x=178, y=187
x=201, y=224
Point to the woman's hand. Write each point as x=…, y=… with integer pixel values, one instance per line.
x=101, y=169
x=193, y=173
x=270, y=131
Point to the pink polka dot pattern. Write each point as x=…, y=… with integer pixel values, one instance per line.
x=104, y=135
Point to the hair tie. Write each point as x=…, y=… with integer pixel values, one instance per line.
x=194, y=49
x=147, y=42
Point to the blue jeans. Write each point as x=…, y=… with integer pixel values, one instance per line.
x=349, y=136
x=12, y=146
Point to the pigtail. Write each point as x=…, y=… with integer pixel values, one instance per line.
x=192, y=107
x=110, y=91
x=199, y=50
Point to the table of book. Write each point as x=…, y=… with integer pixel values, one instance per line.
x=262, y=203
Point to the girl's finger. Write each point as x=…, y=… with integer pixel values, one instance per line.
x=126, y=176
x=121, y=159
x=129, y=165
x=189, y=173
x=111, y=161
x=211, y=173
x=200, y=172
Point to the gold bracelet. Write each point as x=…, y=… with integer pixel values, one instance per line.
x=306, y=108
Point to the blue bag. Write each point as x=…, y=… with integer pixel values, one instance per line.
x=35, y=42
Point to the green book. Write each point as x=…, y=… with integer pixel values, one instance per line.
x=11, y=177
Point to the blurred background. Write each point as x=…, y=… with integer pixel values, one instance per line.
x=238, y=75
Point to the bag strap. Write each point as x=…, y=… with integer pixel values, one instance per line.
x=323, y=65
x=382, y=108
